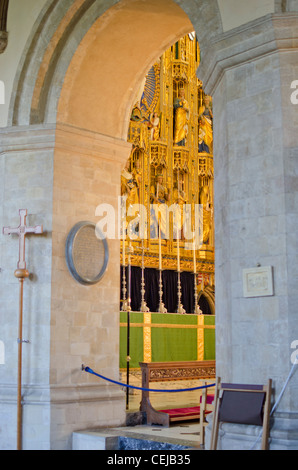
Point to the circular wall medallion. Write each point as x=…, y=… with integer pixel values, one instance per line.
x=87, y=253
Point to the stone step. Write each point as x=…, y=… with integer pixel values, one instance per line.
x=134, y=438
x=92, y=440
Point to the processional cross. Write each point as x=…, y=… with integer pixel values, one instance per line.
x=21, y=231
x=21, y=273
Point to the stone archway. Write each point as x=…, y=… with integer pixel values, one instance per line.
x=98, y=90
x=78, y=86
x=151, y=29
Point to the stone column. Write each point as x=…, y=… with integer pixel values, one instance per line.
x=84, y=319
x=26, y=182
x=60, y=175
x=249, y=71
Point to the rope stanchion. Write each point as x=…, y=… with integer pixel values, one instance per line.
x=90, y=371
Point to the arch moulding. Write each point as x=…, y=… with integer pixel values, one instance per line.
x=84, y=52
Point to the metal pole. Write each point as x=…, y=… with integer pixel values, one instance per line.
x=127, y=358
x=21, y=274
x=143, y=307
x=180, y=308
x=128, y=325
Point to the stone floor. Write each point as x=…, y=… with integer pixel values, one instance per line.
x=184, y=435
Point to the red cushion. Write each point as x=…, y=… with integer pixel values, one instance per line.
x=190, y=411
x=176, y=412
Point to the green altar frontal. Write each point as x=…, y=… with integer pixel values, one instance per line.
x=157, y=337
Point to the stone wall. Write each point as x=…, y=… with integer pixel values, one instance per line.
x=255, y=155
x=67, y=324
x=26, y=159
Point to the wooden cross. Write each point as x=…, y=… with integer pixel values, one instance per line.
x=21, y=231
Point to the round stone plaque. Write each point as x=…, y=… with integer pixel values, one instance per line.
x=86, y=253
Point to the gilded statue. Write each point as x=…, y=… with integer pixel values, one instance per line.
x=181, y=118
x=154, y=126
x=204, y=199
x=129, y=188
x=159, y=197
x=205, y=123
x=159, y=192
x=137, y=176
x=130, y=202
x=203, y=147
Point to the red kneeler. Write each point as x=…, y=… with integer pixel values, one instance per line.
x=180, y=413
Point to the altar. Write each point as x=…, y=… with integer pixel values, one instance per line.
x=156, y=337
x=166, y=224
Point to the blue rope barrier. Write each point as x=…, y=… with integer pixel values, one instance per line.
x=90, y=371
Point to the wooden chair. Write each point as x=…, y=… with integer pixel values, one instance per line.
x=206, y=407
x=243, y=404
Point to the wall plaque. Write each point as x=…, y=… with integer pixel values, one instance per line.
x=258, y=282
x=86, y=253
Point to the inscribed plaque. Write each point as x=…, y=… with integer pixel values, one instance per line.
x=257, y=282
x=86, y=253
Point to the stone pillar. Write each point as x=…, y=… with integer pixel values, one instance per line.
x=26, y=174
x=60, y=175
x=249, y=71
x=84, y=319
